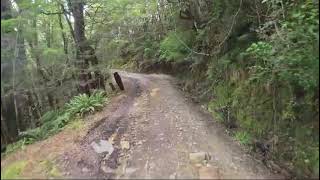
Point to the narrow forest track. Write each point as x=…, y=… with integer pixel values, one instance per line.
x=162, y=128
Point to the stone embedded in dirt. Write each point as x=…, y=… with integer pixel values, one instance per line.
x=199, y=157
x=204, y=162
x=121, y=130
x=112, y=138
x=274, y=166
x=209, y=173
x=106, y=169
x=204, y=107
x=139, y=143
x=106, y=157
x=125, y=145
x=85, y=170
x=154, y=92
x=173, y=176
x=131, y=170
x=285, y=173
x=102, y=146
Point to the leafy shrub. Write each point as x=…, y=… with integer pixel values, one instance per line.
x=83, y=104
x=243, y=137
x=220, y=106
x=52, y=122
x=31, y=135
x=151, y=48
x=175, y=45
x=271, y=88
x=8, y=25
x=51, y=127
x=148, y=52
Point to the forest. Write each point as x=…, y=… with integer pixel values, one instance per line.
x=252, y=64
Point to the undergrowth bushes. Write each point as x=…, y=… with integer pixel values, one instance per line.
x=83, y=104
x=175, y=46
x=53, y=121
x=271, y=90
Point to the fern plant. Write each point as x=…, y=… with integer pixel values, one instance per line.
x=83, y=104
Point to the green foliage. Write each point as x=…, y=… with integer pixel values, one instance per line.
x=10, y=148
x=261, y=50
x=285, y=60
x=305, y=155
x=150, y=48
x=8, y=26
x=55, y=124
x=54, y=121
x=243, y=137
x=217, y=9
x=52, y=56
x=148, y=52
x=175, y=46
x=83, y=104
x=49, y=116
x=14, y=170
x=220, y=106
x=270, y=88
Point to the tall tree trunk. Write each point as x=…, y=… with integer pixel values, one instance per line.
x=63, y=35
x=68, y=21
x=85, y=53
x=83, y=48
x=48, y=34
x=5, y=9
x=4, y=129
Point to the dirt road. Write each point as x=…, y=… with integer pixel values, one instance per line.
x=154, y=130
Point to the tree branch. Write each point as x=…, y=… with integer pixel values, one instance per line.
x=50, y=13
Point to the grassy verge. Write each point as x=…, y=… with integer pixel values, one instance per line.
x=14, y=170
